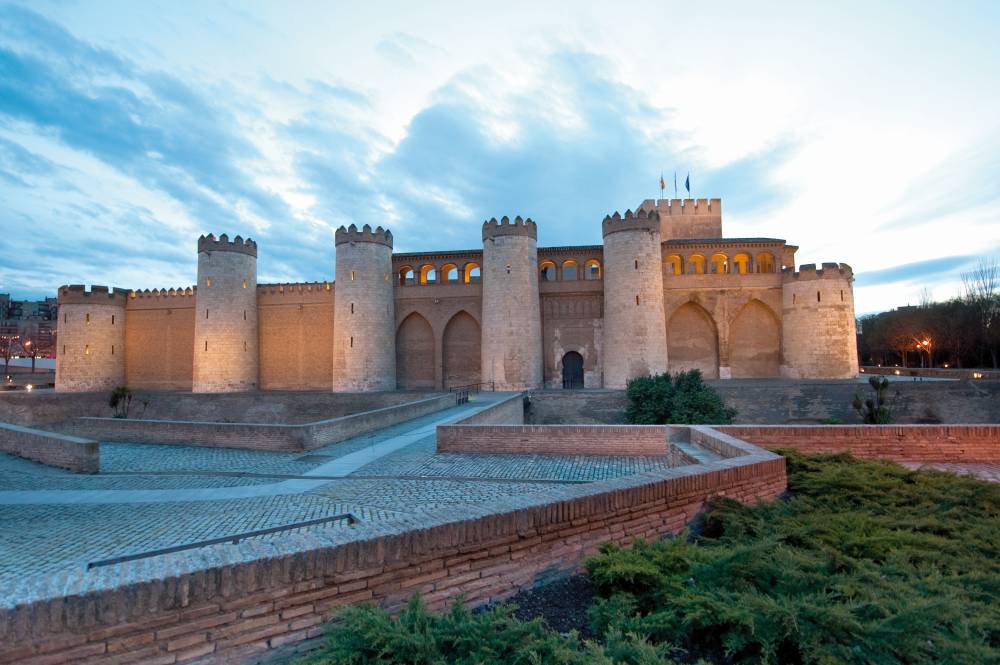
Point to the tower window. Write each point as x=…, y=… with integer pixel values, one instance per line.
x=793, y=298
x=818, y=299
x=206, y=312
x=352, y=342
x=352, y=308
x=352, y=275
x=637, y=299
x=244, y=284
x=88, y=317
x=113, y=317
x=208, y=281
x=508, y=268
x=637, y=264
x=842, y=295
x=244, y=315
x=206, y=345
x=65, y=317
x=244, y=345
x=112, y=349
x=86, y=349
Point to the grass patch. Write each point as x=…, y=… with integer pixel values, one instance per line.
x=866, y=562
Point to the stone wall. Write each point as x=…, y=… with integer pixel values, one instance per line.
x=296, y=336
x=624, y=440
x=818, y=331
x=256, y=436
x=159, y=340
x=788, y=402
x=91, y=345
x=66, y=452
x=274, y=595
x=897, y=443
x=509, y=411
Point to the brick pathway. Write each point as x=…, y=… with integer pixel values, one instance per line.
x=149, y=497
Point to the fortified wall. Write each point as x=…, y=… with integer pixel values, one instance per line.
x=666, y=291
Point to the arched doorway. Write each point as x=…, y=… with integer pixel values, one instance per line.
x=415, y=354
x=755, y=342
x=572, y=371
x=462, y=349
x=692, y=342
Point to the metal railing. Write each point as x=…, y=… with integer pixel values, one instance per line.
x=462, y=393
x=235, y=538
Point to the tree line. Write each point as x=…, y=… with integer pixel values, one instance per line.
x=961, y=332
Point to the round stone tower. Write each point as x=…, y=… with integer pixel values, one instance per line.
x=818, y=330
x=635, y=330
x=90, y=355
x=225, y=319
x=364, y=331
x=512, y=318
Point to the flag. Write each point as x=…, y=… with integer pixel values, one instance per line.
x=662, y=184
x=687, y=184
x=675, y=184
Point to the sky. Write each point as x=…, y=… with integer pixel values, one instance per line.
x=864, y=133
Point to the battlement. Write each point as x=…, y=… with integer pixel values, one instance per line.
x=366, y=234
x=519, y=227
x=676, y=207
x=641, y=220
x=179, y=292
x=210, y=243
x=97, y=295
x=809, y=271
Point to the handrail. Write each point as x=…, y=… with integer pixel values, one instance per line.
x=351, y=519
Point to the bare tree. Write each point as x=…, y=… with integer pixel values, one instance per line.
x=982, y=293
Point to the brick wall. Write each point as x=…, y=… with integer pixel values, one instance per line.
x=273, y=595
x=257, y=436
x=509, y=411
x=898, y=443
x=67, y=452
x=553, y=439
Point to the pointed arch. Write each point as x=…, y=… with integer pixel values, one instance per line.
x=415, y=354
x=755, y=342
x=462, y=350
x=693, y=341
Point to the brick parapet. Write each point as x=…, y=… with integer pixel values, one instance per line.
x=809, y=271
x=505, y=227
x=630, y=221
x=210, y=243
x=897, y=443
x=60, y=450
x=263, y=595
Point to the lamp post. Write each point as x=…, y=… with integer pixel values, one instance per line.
x=31, y=350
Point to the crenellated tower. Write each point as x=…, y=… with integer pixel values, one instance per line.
x=818, y=329
x=364, y=332
x=91, y=338
x=635, y=333
x=225, y=318
x=685, y=219
x=512, y=319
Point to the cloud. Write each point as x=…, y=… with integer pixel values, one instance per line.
x=918, y=270
x=405, y=49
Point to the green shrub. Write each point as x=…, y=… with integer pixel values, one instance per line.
x=868, y=563
x=877, y=409
x=681, y=399
x=120, y=400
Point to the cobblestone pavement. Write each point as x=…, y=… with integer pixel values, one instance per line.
x=384, y=475
x=990, y=472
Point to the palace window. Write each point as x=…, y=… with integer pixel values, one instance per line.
x=547, y=271
x=592, y=269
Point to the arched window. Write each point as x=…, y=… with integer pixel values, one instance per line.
x=405, y=276
x=570, y=270
x=720, y=263
x=547, y=271
x=696, y=263
x=765, y=262
x=428, y=274
x=675, y=265
x=741, y=263
x=472, y=273
x=592, y=269
x=449, y=273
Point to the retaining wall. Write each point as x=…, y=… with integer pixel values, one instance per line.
x=257, y=436
x=623, y=440
x=259, y=596
x=67, y=452
x=509, y=411
x=897, y=443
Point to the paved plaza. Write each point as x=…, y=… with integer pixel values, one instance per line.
x=154, y=496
